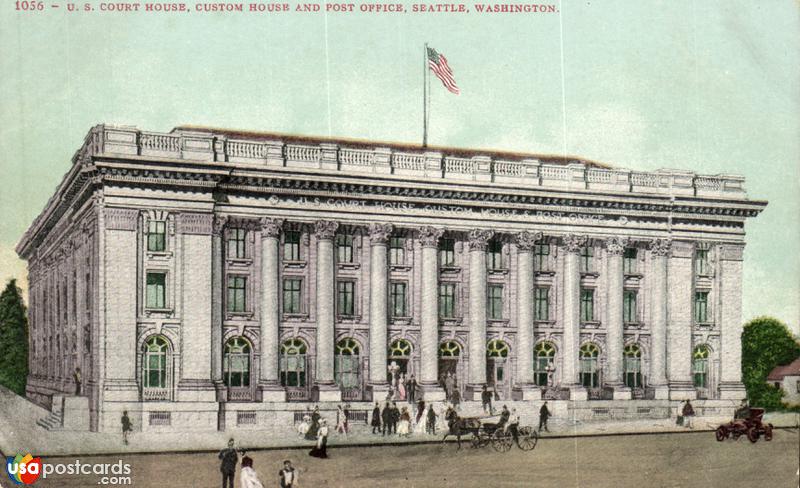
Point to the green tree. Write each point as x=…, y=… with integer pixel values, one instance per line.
x=13, y=339
x=766, y=343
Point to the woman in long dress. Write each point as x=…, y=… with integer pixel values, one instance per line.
x=249, y=477
x=341, y=421
x=320, y=450
x=302, y=429
x=401, y=387
x=404, y=427
x=312, y=431
x=419, y=426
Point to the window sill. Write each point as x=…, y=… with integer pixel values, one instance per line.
x=589, y=274
x=401, y=320
x=348, y=319
x=159, y=254
x=544, y=272
x=400, y=267
x=239, y=261
x=348, y=265
x=294, y=264
x=295, y=317
x=451, y=321
x=497, y=322
x=544, y=323
x=238, y=315
x=450, y=269
x=634, y=275
x=158, y=312
x=498, y=272
x=704, y=325
x=592, y=324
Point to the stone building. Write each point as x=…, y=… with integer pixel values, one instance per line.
x=202, y=277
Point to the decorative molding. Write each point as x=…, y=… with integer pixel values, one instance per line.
x=526, y=240
x=682, y=249
x=325, y=229
x=196, y=223
x=731, y=252
x=121, y=218
x=573, y=243
x=218, y=225
x=615, y=245
x=271, y=227
x=379, y=233
x=479, y=239
x=660, y=247
x=429, y=236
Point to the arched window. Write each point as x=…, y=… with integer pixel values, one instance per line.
x=236, y=365
x=155, y=370
x=346, y=366
x=544, y=355
x=399, y=355
x=632, y=365
x=293, y=363
x=496, y=349
x=589, y=371
x=449, y=349
x=700, y=366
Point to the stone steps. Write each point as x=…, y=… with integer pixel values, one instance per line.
x=51, y=422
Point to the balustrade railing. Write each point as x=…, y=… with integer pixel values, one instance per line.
x=308, y=154
x=357, y=157
x=161, y=142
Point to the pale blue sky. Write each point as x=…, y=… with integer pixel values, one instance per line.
x=709, y=86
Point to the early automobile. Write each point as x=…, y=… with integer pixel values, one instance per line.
x=749, y=423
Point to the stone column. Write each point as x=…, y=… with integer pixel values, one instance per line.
x=217, y=284
x=325, y=389
x=679, y=331
x=730, y=283
x=524, y=387
x=429, y=320
x=659, y=249
x=571, y=320
x=615, y=247
x=268, y=383
x=378, y=308
x=478, y=241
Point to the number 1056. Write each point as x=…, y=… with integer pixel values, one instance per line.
x=25, y=5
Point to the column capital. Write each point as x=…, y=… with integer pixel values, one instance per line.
x=379, y=233
x=271, y=227
x=660, y=247
x=573, y=243
x=429, y=236
x=325, y=229
x=525, y=240
x=479, y=239
x=218, y=225
x=615, y=245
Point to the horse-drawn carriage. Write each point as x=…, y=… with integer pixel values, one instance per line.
x=501, y=437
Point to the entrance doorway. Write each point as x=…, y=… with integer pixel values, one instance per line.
x=497, y=374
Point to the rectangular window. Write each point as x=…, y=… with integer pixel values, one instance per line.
x=156, y=290
x=494, y=308
x=541, y=303
x=156, y=235
x=494, y=255
x=291, y=295
x=397, y=295
x=701, y=262
x=237, y=293
x=701, y=307
x=346, y=298
x=541, y=257
x=587, y=259
x=291, y=246
x=587, y=305
x=397, y=251
x=344, y=248
x=629, y=261
x=629, y=307
x=236, y=243
x=447, y=253
x=447, y=300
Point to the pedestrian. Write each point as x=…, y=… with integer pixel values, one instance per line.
x=504, y=416
x=341, y=421
x=419, y=421
x=395, y=418
x=449, y=384
x=486, y=400
x=431, y=420
x=544, y=414
x=320, y=450
x=311, y=435
x=688, y=414
x=288, y=475
x=455, y=398
x=302, y=429
x=127, y=426
x=386, y=416
x=404, y=428
x=411, y=389
x=376, y=419
x=76, y=376
x=249, y=478
x=227, y=467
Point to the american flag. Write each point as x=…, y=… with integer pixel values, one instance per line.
x=438, y=64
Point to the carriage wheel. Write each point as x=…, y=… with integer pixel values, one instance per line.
x=527, y=438
x=501, y=442
x=752, y=434
x=721, y=433
x=475, y=441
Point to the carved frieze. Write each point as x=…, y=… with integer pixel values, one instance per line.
x=195, y=223
x=121, y=218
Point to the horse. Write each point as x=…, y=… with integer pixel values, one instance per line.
x=457, y=425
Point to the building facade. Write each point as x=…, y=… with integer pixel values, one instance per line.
x=202, y=276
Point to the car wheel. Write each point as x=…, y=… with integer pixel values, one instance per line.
x=752, y=435
x=721, y=433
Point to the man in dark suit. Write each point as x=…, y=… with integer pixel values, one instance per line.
x=386, y=416
x=376, y=419
x=229, y=459
x=544, y=414
x=411, y=389
x=288, y=475
x=395, y=417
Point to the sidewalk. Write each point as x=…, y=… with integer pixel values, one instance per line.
x=20, y=434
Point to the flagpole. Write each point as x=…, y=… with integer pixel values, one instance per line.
x=425, y=97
